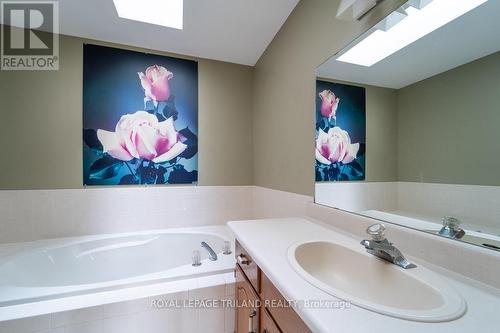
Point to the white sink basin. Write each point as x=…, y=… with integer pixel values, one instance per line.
x=374, y=284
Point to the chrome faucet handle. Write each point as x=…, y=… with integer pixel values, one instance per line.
x=377, y=231
x=380, y=247
x=451, y=228
x=451, y=222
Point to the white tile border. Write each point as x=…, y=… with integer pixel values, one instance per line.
x=358, y=196
x=40, y=214
x=269, y=203
x=478, y=207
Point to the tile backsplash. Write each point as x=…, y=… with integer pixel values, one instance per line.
x=358, y=196
x=477, y=206
x=39, y=214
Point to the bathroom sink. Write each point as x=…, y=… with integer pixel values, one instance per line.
x=366, y=281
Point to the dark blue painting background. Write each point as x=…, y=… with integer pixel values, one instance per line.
x=351, y=117
x=111, y=88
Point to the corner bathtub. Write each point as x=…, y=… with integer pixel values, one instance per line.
x=52, y=269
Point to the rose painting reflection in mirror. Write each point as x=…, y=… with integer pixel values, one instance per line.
x=340, y=132
x=140, y=118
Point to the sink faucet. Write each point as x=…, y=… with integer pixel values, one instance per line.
x=451, y=228
x=380, y=247
x=211, y=253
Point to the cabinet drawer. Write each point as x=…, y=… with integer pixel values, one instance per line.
x=248, y=311
x=267, y=324
x=286, y=318
x=248, y=266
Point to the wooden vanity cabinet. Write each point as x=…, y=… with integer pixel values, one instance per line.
x=286, y=317
x=253, y=287
x=248, y=266
x=248, y=312
x=267, y=324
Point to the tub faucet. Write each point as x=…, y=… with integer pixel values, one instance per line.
x=451, y=228
x=211, y=253
x=380, y=247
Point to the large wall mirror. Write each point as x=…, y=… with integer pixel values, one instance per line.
x=408, y=121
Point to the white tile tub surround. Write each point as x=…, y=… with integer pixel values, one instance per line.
x=358, y=196
x=268, y=203
x=141, y=315
x=476, y=206
x=39, y=214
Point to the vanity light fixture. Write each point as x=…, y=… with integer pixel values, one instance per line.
x=403, y=27
x=167, y=13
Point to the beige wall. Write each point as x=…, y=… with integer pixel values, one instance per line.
x=41, y=123
x=449, y=126
x=284, y=93
x=381, y=135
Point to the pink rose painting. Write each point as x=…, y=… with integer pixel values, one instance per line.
x=140, y=115
x=335, y=146
x=141, y=135
x=340, y=132
x=329, y=104
x=155, y=83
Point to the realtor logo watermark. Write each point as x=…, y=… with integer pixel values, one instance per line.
x=30, y=35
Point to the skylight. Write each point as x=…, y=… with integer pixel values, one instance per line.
x=379, y=44
x=167, y=13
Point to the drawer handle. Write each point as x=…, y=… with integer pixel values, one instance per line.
x=250, y=321
x=242, y=260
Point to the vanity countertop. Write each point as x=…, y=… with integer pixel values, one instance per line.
x=267, y=241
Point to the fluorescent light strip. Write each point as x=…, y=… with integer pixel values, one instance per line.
x=167, y=13
x=381, y=44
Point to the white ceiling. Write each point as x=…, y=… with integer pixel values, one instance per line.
x=236, y=31
x=470, y=37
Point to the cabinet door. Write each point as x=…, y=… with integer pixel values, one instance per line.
x=267, y=324
x=285, y=317
x=247, y=312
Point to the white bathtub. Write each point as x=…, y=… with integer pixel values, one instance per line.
x=60, y=268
